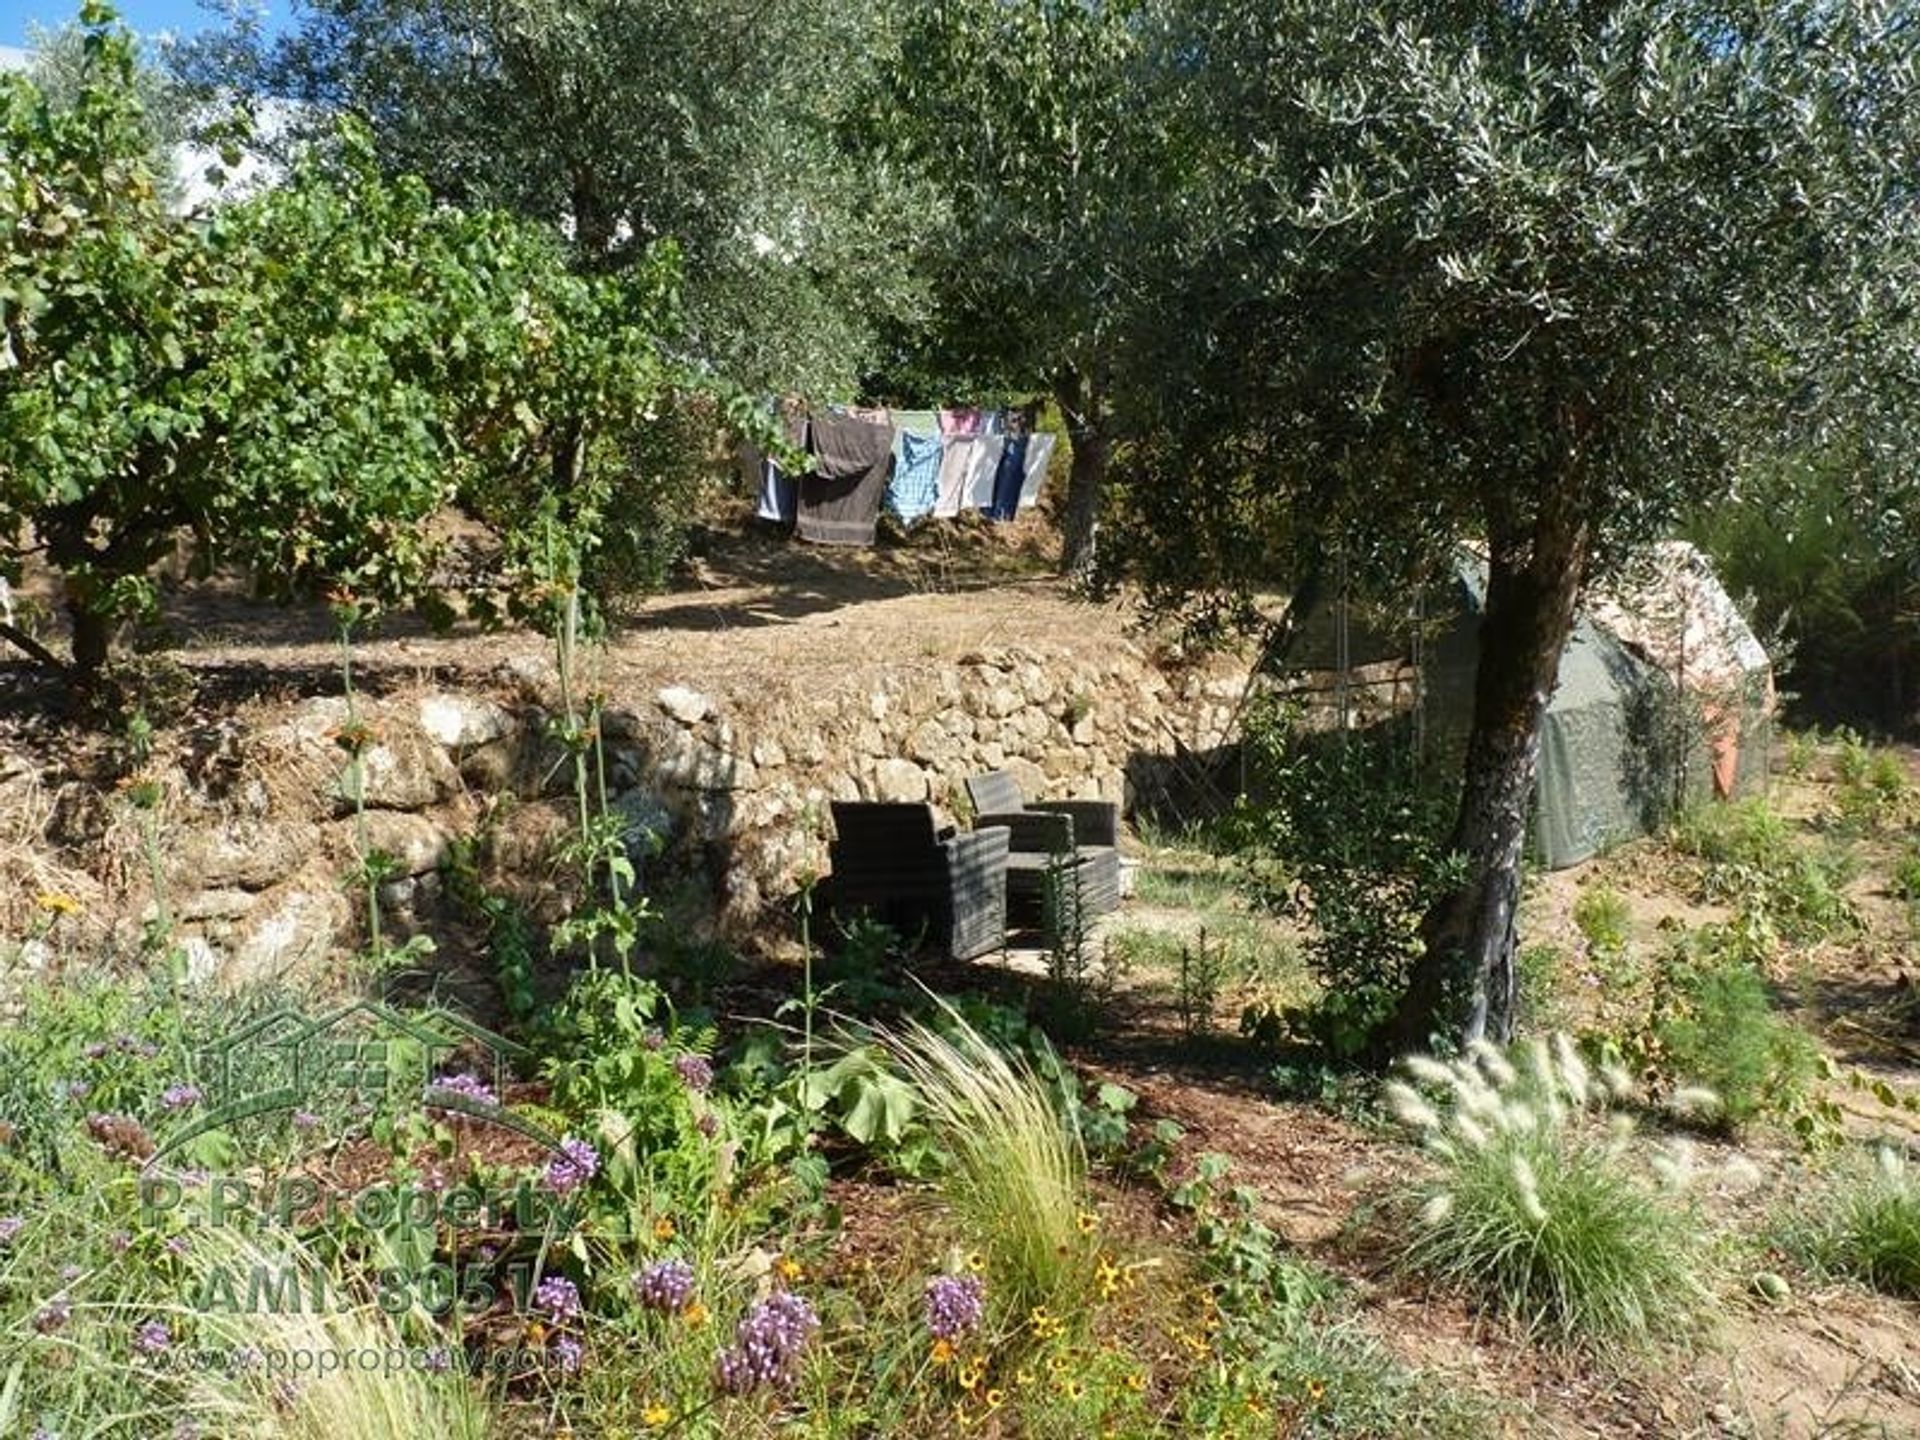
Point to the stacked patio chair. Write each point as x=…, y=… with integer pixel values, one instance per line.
x=891, y=861
x=1082, y=836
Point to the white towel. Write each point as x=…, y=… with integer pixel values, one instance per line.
x=1039, y=452
x=956, y=456
x=981, y=470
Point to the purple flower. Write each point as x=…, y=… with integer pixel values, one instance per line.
x=187, y=1430
x=53, y=1315
x=10, y=1226
x=576, y=1164
x=305, y=1120
x=152, y=1337
x=41, y=1432
x=955, y=1305
x=652, y=1039
x=133, y=1045
x=77, y=1089
x=708, y=1124
x=437, y=1361
x=566, y=1352
x=559, y=1297
x=120, y=1242
x=468, y=1085
x=70, y=1273
x=181, y=1097
x=694, y=1071
x=95, y=1050
x=178, y=1245
x=664, y=1285
x=767, y=1345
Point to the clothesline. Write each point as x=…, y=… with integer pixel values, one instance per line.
x=916, y=463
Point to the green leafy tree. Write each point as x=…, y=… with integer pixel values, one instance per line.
x=718, y=125
x=301, y=381
x=1536, y=275
x=1041, y=123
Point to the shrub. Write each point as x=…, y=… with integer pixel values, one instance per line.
x=1867, y=1227
x=1353, y=839
x=1870, y=784
x=1715, y=1026
x=1540, y=1214
x=1017, y=1178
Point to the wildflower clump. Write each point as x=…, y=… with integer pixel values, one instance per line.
x=955, y=1305
x=1541, y=1206
x=768, y=1345
x=664, y=1285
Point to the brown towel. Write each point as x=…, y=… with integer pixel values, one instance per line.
x=840, y=500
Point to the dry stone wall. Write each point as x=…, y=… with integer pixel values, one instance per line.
x=257, y=828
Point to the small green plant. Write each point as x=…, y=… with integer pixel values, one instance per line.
x=1870, y=784
x=1203, y=974
x=1803, y=747
x=1240, y=1254
x=1539, y=1210
x=1715, y=1026
x=1602, y=917
x=1751, y=860
x=1866, y=1227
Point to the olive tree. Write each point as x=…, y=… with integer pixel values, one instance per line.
x=1540, y=275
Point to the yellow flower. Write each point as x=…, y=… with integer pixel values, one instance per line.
x=1023, y=1377
x=536, y=1332
x=789, y=1269
x=1087, y=1221
x=942, y=1352
x=1136, y=1382
x=655, y=1415
x=969, y=1377
x=1316, y=1390
x=1254, y=1407
x=695, y=1314
x=996, y=1398
x=1072, y=1389
x=664, y=1230
x=976, y=1262
x=58, y=901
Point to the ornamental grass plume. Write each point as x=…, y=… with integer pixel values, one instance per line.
x=1016, y=1177
x=1541, y=1208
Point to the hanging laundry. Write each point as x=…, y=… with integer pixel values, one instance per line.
x=1039, y=453
x=960, y=422
x=919, y=422
x=981, y=470
x=840, y=500
x=914, y=491
x=1009, y=476
x=956, y=463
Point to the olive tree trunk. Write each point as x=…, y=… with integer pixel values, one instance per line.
x=1463, y=984
x=1082, y=402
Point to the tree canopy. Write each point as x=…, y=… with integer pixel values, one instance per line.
x=718, y=125
x=300, y=380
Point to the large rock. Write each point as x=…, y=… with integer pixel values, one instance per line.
x=416, y=844
x=901, y=781
x=403, y=771
x=933, y=744
x=463, y=721
x=247, y=855
x=687, y=706
x=290, y=937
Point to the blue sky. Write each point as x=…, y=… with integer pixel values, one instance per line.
x=149, y=17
